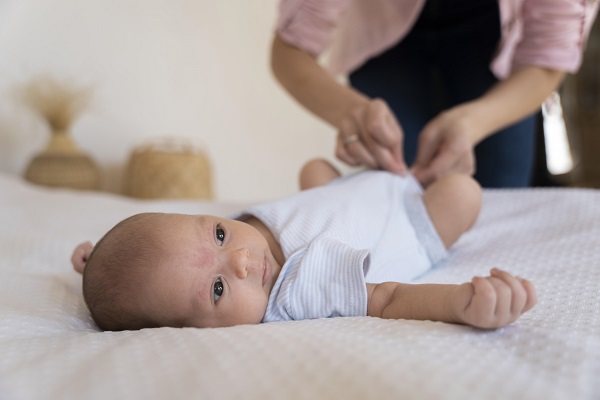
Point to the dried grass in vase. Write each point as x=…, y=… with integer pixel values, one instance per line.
x=61, y=163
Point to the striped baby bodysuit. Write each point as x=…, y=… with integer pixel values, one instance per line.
x=370, y=226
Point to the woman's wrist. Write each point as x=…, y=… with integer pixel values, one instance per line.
x=508, y=101
x=349, y=102
x=473, y=120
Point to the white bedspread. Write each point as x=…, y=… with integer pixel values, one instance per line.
x=50, y=348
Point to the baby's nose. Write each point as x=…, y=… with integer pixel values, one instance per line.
x=239, y=263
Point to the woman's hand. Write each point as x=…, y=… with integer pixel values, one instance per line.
x=446, y=146
x=368, y=134
x=446, y=143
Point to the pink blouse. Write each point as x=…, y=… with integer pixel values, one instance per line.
x=546, y=33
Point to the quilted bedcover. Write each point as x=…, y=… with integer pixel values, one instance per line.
x=51, y=349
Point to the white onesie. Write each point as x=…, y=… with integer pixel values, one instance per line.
x=367, y=227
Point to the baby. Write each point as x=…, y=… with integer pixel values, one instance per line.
x=346, y=247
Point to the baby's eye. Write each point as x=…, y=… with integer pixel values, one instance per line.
x=220, y=235
x=217, y=289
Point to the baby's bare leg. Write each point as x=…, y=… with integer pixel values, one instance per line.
x=453, y=203
x=317, y=172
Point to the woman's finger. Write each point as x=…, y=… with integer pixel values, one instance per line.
x=383, y=136
x=347, y=130
x=357, y=150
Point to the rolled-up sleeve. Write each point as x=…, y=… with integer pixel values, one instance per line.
x=309, y=24
x=555, y=33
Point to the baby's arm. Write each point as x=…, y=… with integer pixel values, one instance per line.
x=488, y=302
x=317, y=172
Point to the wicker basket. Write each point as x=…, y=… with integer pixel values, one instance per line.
x=168, y=169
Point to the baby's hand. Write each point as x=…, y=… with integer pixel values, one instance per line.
x=80, y=256
x=493, y=301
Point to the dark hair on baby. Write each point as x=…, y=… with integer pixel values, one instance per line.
x=113, y=278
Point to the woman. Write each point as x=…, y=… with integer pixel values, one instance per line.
x=435, y=85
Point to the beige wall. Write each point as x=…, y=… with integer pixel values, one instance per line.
x=187, y=68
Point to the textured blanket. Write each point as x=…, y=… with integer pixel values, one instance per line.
x=51, y=349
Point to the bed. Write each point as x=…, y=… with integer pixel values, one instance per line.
x=51, y=349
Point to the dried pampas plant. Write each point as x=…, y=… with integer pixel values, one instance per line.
x=58, y=104
x=61, y=163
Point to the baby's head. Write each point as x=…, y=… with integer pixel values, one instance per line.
x=154, y=270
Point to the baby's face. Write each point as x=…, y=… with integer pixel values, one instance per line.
x=217, y=272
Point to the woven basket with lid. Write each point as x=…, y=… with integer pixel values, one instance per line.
x=169, y=169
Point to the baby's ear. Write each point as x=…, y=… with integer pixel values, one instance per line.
x=81, y=255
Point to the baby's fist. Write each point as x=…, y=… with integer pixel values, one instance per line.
x=493, y=301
